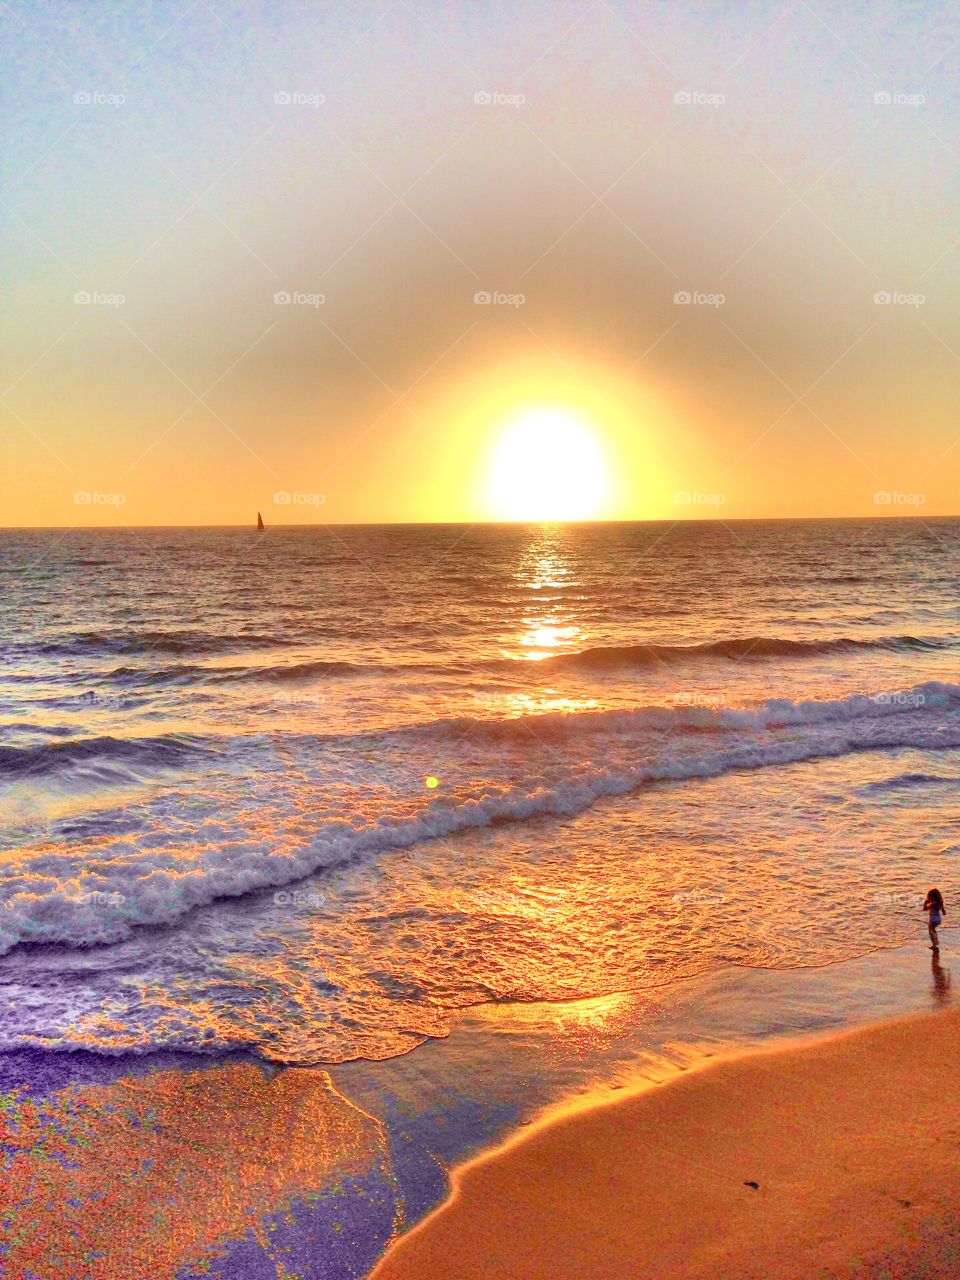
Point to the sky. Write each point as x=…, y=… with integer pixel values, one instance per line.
x=416, y=260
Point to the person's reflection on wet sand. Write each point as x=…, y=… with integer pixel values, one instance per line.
x=941, y=979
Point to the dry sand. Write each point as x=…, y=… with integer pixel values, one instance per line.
x=854, y=1142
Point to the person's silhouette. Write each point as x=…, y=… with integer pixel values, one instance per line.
x=933, y=903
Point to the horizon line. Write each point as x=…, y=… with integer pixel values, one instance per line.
x=459, y=524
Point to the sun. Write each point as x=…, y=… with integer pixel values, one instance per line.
x=547, y=465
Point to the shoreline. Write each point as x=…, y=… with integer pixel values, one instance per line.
x=830, y=1155
x=361, y=1151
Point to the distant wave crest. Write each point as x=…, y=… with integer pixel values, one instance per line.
x=125, y=643
x=648, y=655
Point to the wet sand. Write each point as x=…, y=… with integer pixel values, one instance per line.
x=169, y=1167
x=151, y=1175
x=833, y=1158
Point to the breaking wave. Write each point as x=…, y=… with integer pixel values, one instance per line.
x=61, y=898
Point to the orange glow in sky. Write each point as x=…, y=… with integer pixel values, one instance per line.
x=217, y=300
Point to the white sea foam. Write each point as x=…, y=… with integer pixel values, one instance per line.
x=103, y=892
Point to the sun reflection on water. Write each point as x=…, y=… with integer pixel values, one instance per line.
x=548, y=625
x=546, y=700
x=597, y=1011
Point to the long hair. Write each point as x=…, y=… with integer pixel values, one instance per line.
x=935, y=898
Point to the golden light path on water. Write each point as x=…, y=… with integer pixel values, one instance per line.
x=546, y=571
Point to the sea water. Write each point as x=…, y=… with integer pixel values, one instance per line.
x=306, y=793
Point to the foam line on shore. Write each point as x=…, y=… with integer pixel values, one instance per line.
x=820, y=1156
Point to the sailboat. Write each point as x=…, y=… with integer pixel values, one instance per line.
x=260, y=524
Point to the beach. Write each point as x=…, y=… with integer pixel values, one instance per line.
x=169, y=1167
x=479, y=642
x=837, y=1157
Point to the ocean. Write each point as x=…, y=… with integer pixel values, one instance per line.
x=307, y=793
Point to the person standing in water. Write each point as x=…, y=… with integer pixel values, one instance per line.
x=934, y=904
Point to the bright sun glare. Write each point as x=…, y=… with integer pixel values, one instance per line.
x=547, y=465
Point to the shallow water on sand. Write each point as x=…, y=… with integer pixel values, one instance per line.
x=242, y=1172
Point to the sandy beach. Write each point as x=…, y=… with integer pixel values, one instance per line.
x=828, y=1158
